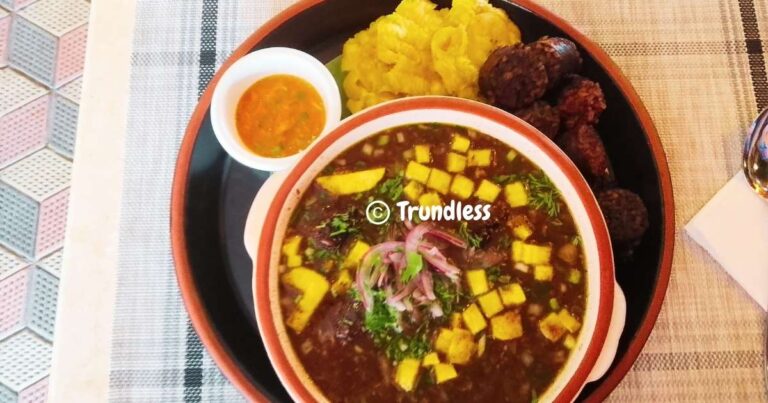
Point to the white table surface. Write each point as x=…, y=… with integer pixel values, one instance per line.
x=81, y=348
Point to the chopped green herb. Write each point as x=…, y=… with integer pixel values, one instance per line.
x=354, y=294
x=505, y=242
x=505, y=179
x=392, y=188
x=382, y=324
x=554, y=304
x=543, y=195
x=473, y=240
x=576, y=240
x=382, y=318
x=316, y=253
x=449, y=296
x=340, y=224
x=413, y=266
x=403, y=346
x=493, y=274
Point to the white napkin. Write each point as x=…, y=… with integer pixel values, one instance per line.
x=733, y=228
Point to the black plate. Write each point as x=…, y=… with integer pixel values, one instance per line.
x=213, y=197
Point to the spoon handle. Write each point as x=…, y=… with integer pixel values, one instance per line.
x=756, y=155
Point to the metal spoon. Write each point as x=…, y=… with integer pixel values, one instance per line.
x=755, y=158
x=755, y=165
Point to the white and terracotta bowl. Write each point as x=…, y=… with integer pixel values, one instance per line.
x=605, y=309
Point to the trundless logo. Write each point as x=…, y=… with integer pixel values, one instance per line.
x=378, y=212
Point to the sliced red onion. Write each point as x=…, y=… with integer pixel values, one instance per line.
x=364, y=279
x=439, y=262
x=402, y=293
x=447, y=236
x=398, y=305
x=413, y=239
x=436, y=310
x=425, y=285
x=408, y=305
x=382, y=278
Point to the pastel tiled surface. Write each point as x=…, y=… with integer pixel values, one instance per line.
x=42, y=47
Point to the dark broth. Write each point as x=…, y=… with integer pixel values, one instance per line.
x=349, y=362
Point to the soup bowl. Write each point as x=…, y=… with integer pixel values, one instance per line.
x=604, y=315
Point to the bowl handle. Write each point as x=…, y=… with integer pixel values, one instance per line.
x=618, y=317
x=258, y=212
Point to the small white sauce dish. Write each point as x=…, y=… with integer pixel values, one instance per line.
x=251, y=68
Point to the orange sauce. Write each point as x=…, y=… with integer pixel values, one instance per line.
x=279, y=116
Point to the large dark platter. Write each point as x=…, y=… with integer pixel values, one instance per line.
x=212, y=195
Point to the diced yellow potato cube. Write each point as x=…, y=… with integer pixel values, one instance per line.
x=443, y=340
x=462, y=187
x=367, y=149
x=413, y=190
x=487, y=191
x=408, y=154
x=406, y=373
x=481, y=346
x=417, y=172
x=313, y=287
x=568, y=321
x=542, y=272
x=342, y=283
x=455, y=162
x=511, y=155
x=530, y=253
x=569, y=342
x=444, y=372
x=430, y=199
x=460, y=143
x=351, y=183
x=506, y=326
x=479, y=158
x=422, y=154
x=537, y=254
x=293, y=261
x=490, y=303
x=512, y=294
x=430, y=360
x=473, y=319
x=551, y=327
x=462, y=347
x=522, y=231
x=574, y=276
x=355, y=255
x=517, y=250
x=291, y=245
x=439, y=180
x=477, y=281
x=516, y=195
x=456, y=320
x=383, y=140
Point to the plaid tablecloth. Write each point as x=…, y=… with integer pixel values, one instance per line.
x=698, y=66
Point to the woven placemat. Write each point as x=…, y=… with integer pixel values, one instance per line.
x=697, y=65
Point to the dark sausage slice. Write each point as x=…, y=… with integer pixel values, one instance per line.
x=542, y=116
x=512, y=78
x=581, y=102
x=584, y=146
x=560, y=57
x=625, y=215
